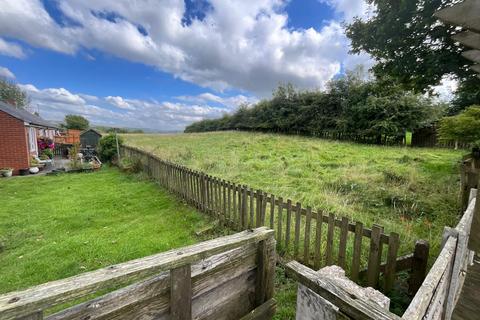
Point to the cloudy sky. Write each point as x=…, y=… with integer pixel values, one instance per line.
x=162, y=64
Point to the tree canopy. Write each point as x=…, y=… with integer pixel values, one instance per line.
x=464, y=127
x=73, y=121
x=11, y=93
x=410, y=45
x=378, y=111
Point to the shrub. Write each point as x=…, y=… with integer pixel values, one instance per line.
x=107, y=147
x=46, y=153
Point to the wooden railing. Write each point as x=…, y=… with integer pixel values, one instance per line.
x=226, y=278
x=314, y=238
x=435, y=299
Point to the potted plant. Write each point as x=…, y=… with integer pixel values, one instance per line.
x=6, y=172
x=34, y=166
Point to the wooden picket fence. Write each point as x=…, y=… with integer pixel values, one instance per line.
x=314, y=238
x=441, y=296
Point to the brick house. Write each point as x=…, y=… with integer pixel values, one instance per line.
x=19, y=130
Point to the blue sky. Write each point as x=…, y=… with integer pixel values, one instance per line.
x=164, y=64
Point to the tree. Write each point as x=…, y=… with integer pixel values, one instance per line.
x=409, y=44
x=11, y=93
x=464, y=127
x=107, y=147
x=73, y=121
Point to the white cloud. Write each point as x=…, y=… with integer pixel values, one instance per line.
x=349, y=9
x=11, y=49
x=239, y=44
x=231, y=102
x=55, y=103
x=119, y=102
x=6, y=73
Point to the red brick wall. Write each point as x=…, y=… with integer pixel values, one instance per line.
x=13, y=143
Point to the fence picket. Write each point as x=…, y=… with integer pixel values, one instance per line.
x=330, y=235
x=289, y=222
x=306, y=243
x=357, y=250
x=373, y=270
x=318, y=240
x=342, y=249
x=280, y=220
x=272, y=211
x=298, y=215
x=391, y=261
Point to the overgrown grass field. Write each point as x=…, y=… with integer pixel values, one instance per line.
x=52, y=227
x=414, y=192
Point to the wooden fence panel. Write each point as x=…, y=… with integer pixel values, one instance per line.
x=240, y=207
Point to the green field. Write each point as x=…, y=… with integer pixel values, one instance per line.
x=410, y=191
x=52, y=227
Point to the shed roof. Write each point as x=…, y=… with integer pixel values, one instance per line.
x=26, y=116
x=90, y=129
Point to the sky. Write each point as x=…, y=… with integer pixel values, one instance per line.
x=163, y=64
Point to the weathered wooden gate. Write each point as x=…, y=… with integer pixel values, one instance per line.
x=230, y=277
x=435, y=299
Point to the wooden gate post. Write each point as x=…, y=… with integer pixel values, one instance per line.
x=181, y=293
x=419, y=266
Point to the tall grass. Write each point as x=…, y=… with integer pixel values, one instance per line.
x=413, y=192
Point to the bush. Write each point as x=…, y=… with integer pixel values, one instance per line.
x=46, y=153
x=107, y=147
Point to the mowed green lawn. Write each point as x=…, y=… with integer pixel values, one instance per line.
x=52, y=227
x=412, y=191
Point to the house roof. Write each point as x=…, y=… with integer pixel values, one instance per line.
x=25, y=116
x=90, y=129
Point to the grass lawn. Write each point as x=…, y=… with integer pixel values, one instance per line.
x=52, y=227
x=411, y=191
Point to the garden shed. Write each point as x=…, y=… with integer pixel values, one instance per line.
x=20, y=131
x=89, y=138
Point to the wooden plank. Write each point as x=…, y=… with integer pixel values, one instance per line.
x=272, y=212
x=258, y=209
x=264, y=210
x=41, y=297
x=296, y=244
x=229, y=202
x=234, y=205
x=468, y=38
x=289, y=224
x=244, y=218
x=306, y=242
x=373, y=258
x=390, y=269
x=464, y=14
x=330, y=235
x=208, y=275
x=357, y=251
x=348, y=303
x=420, y=303
x=419, y=265
x=260, y=280
x=181, y=293
x=279, y=221
x=224, y=202
x=252, y=208
x=264, y=312
x=34, y=316
x=342, y=249
x=318, y=240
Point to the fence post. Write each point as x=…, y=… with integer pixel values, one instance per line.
x=181, y=293
x=419, y=266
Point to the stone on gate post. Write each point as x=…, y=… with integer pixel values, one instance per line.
x=311, y=306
